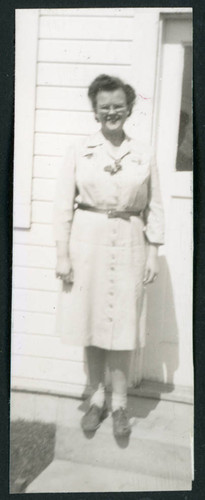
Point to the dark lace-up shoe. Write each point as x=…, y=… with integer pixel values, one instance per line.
x=93, y=417
x=121, y=426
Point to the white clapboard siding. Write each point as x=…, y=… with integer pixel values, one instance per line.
x=43, y=189
x=53, y=144
x=84, y=52
x=35, y=279
x=81, y=27
x=38, y=235
x=89, y=12
x=49, y=369
x=47, y=346
x=33, y=323
x=67, y=122
x=74, y=46
x=46, y=167
x=34, y=301
x=42, y=212
x=34, y=256
x=62, y=98
x=76, y=75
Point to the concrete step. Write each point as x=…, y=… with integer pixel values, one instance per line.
x=156, y=457
x=144, y=456
x=63, y=476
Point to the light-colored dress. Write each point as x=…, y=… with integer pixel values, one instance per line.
x=103, y=306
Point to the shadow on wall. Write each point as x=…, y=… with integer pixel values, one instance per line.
x=161, y=353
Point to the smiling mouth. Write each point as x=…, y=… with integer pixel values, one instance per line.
x=113, y=119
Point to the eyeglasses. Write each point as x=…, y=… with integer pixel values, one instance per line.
x=107, y=109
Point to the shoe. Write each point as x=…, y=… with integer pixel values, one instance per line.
x=121, y=426
x=93, y=417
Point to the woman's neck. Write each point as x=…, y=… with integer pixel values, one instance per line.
x=116, y=138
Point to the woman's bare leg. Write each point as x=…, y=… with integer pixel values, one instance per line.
x=96, y=366
x=97, y=409
x=119, y=364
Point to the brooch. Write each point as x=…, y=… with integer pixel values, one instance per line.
x=113, y=169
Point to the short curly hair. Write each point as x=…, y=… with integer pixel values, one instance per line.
x=107, y=82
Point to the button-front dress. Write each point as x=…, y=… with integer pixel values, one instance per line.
x=104, y=305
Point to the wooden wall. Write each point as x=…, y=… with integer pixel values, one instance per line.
x=74, y=46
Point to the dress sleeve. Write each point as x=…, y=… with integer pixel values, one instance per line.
x=154, y=214
x=65, y=195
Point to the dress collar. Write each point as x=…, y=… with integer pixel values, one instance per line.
x=98, y=139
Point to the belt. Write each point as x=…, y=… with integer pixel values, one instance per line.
x=111, y=213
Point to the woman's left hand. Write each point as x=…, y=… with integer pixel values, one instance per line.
x=152, y=265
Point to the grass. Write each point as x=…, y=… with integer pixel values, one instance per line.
x=31, y=451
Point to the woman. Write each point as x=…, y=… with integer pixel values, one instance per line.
x=108, y=224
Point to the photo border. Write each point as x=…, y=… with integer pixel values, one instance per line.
x=7, y=22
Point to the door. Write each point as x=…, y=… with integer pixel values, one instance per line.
x=168, y=354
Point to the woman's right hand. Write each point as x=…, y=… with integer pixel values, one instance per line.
x=64, y=269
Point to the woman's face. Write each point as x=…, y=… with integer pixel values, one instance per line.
x=111, y=110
